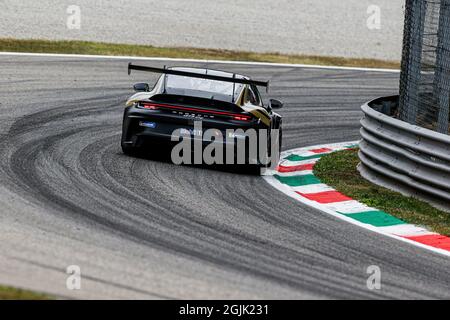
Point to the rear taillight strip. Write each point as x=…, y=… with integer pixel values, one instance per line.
x=153, y=106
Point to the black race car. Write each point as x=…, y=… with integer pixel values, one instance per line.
x=191, y=102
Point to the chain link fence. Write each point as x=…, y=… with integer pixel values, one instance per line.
x=425, y=76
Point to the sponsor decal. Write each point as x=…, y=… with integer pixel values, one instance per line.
x=148, y=124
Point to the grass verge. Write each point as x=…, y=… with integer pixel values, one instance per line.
x=9, y=293
x=100, y=48
x=338, y=170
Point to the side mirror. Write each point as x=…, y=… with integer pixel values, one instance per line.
x=141, y=87
x=275, y=104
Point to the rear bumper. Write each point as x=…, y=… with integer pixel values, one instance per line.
x=141, y=124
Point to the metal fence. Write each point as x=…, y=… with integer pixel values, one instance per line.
x=399, y=155
x=425, y=77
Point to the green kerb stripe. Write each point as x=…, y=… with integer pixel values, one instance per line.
x=297, y=181
x=296, y=157
x=375, y=218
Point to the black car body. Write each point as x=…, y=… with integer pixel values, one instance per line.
x=184, y=97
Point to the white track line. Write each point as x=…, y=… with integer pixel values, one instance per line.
x=268, y=64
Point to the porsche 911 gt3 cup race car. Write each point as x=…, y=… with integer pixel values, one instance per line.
x=207, y=108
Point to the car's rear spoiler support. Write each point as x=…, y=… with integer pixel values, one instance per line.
x=233, y=79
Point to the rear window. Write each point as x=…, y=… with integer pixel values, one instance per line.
x=204, y=88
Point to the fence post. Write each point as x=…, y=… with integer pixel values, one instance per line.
x=442, y=72
x=412, y=59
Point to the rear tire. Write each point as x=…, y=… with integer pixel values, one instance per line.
x=269, y=148
x=129, y=150
x=253, y=169
x=258, y=169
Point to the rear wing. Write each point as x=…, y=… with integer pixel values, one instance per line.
x=233, y=79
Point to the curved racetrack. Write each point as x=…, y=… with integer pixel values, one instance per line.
x=143, y=228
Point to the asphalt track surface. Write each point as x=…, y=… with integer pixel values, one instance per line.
x=144, y=228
